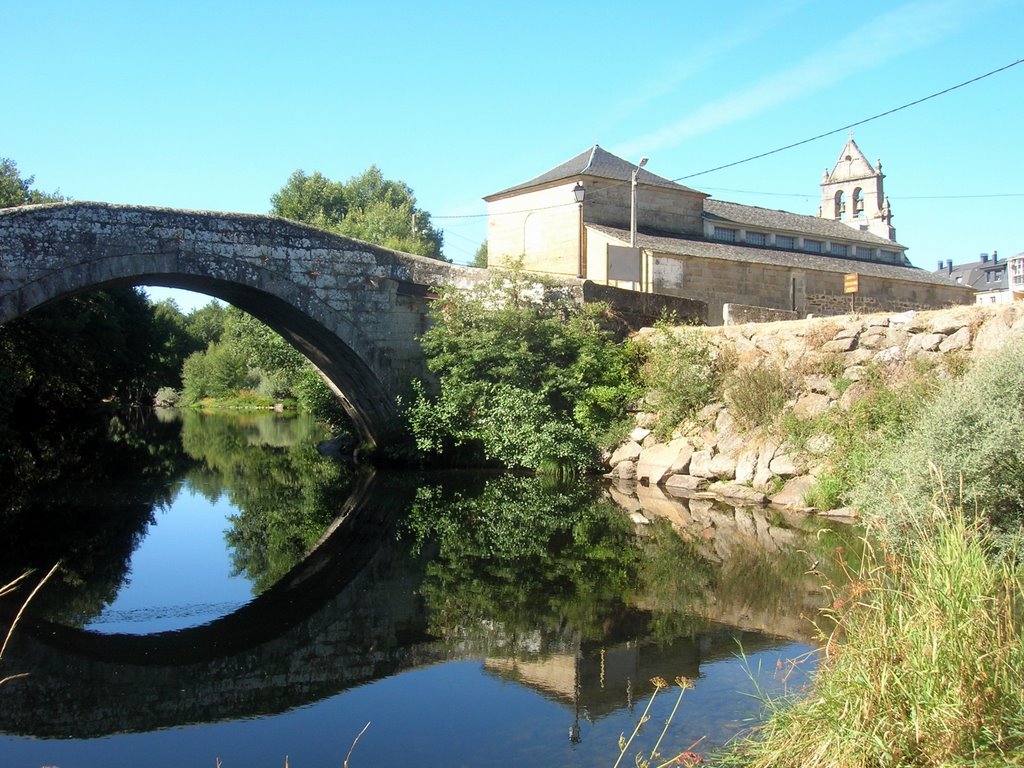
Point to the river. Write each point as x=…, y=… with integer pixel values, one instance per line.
x=227, y=594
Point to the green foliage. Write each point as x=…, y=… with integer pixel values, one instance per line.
x=968, y=438
x=526, y=378
x=480, y=257
x=679, y=373
x=524, y=552
x=881, y=416
x=268, y=467
x=922, y=665
x=756, y=395
x=16, y=190
x=367, y=207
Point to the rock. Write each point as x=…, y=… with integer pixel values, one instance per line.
x=746, y=466
x=947, y=322
x=624, y=470
x=872, y=339
x=723, y=466
x=700, y=463
x=857, y=356
x=794, y=492
x=820, y=384
x=960, y=339
x=840, y=345
x=685, y=483
x=876, y=321
x=821, y=444
x=923, y=342
x=889, y=355
x=992, y=336
x=737, y=492
x=638, y=519
x=841, y=512
x=810, y=405
x=853, y=394
x=658, y=461
x=629, y=451
x=903, y=318
x=763, y=476
x=855, y=373
x=784, y=464
x=639, y=434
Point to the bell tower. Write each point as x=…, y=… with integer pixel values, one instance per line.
x=853, y=193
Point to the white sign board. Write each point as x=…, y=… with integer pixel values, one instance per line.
x=624, y=263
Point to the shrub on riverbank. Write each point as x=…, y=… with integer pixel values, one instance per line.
x=527, y=379
x=922, y=667
x=970, y=437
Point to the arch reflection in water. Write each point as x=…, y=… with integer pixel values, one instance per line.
x=568, y=607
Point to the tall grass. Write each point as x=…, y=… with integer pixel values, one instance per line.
x=924, y=665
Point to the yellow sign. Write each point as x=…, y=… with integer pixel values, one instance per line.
x=850, y=283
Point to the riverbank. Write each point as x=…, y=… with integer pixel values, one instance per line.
x=794, y=402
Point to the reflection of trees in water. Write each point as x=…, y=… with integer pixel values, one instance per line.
x=525, y=555
x=267, y=465
x=87, y=501
x=521, y=557
x=90, y=498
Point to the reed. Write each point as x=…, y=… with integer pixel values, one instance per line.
x=923, y=666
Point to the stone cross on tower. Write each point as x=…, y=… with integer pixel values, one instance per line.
x=853, y=193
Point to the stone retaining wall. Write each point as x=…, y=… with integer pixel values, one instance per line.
x=710, y=453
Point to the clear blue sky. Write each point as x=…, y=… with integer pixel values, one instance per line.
x=213, y=105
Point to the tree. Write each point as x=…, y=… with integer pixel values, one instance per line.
x=366, y=207
x=15, y=190
x=480, y=257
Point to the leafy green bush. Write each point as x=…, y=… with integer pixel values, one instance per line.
x=756, y=395
x=679, y=374
x=969, y=437
x=526, y=378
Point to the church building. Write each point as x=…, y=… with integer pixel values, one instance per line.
x=604, y=219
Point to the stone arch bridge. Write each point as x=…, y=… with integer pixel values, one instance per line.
x=353, y=309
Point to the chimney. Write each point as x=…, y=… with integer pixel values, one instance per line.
x=995, y=256
x=940, y=264
x=949, y=265
x=984, y=258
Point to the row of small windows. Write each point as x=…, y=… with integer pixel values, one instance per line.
x=729, y=235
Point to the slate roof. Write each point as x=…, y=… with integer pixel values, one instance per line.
x=973, y=274
x=751, y=216
x=599, y=163
x=684, y=246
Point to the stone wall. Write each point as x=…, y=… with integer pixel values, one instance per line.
x=739, y=314
x=710, y=453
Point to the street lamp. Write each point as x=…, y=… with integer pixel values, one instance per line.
x=632, y=203
x=579, y=193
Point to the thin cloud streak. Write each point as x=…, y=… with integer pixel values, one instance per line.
x=887, y=36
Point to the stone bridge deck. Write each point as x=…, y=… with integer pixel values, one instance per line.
x=353, y=309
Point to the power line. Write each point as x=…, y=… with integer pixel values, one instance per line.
x=853, y=125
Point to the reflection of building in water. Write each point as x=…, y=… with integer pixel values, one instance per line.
x=614, y=676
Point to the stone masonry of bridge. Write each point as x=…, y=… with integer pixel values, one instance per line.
x=355, y=310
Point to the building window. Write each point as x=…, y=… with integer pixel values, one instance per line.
x=757, y=238
x=864, y=253
x=725, y=235
x=892, y=256
x=839, y=249
x=785, y=241
x=814, y=246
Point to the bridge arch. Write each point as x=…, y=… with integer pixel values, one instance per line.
x=353, y=309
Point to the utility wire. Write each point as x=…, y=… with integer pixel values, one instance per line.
x=791, y=146
x=853, y=125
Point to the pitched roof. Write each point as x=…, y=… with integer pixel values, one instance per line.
x=687, y=246
x=599, y=163
x=767, y=218
x=978, y=275
x=852, y=164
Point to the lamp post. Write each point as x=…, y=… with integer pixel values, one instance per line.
x=632, y=203
x=579, y=193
